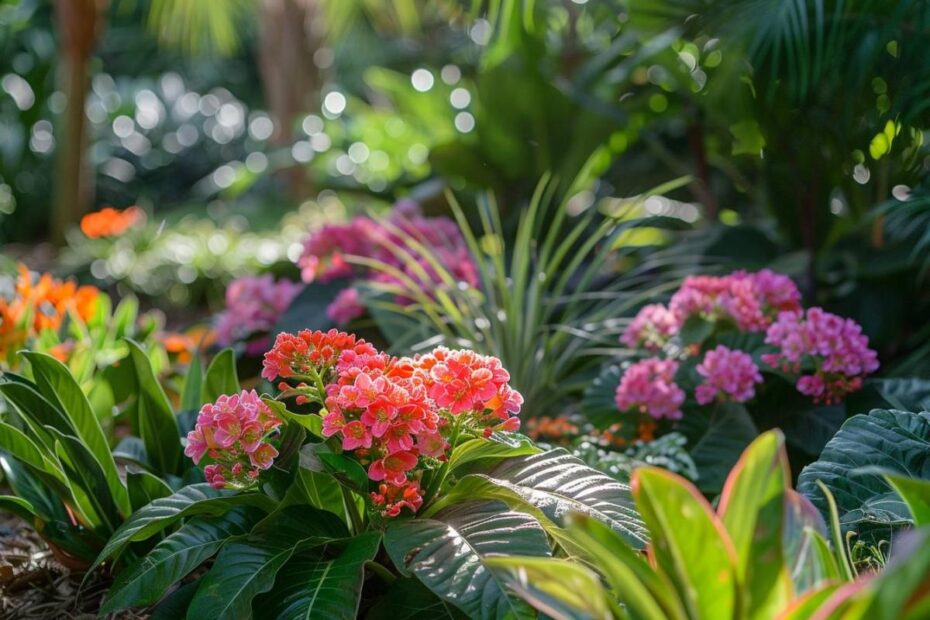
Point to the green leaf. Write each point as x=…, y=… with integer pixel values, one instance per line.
x=902, y=590
x=313, y=585
x=55, y=382
x=320, y=490
x=717, y=442
x=557, y=483
x=37, y=410
x=195, y=499
x=482, y=449
x=157, y=424
x=310, y=421
x=916, y=494
x=19, y=507
x=308, y=309
x=689, y=543
x=696, y=330
x=247, y=567
x=319, y=458
x=221, y=377
x=193, y=386
x=752, y=508
x=559, y=588
x=19, y=445
x=897, y=442
x=805, y=564
x=447, y=553
x=409, y=599
x=174, y=557
x=144, y=488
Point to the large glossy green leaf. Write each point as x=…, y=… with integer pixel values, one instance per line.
x=313, y=585
x=916, y=494
x=557, y=483
x=689, y=543
x=894, y=441
x=36, y=409
x=752, y=508
x=88, y=480
x=56, y=383
x=483, y=450
x=144, y=488
x=447, y=553
x=408, y=599
x=562, y=589
x=22, y=447
x=247, y=566
x=317, y=489
x=193, y=385
x=221, y=377
x=195, y=499
x=157, y=424
x=176, y=556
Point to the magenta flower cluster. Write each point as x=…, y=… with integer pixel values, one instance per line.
x=728, y=376
x=234, y=433
x=649, y=387
x=836, y=347
x=751, y=301
x=253, y=306
x=406, y=243
x=828, y=354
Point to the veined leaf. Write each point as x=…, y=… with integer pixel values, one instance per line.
x=221, y=377
x=562, y=589
x=174, y=557
x=916, y=494
x=22, y=447
x=157, y=424
x=715, y=444
x=689, y=543
x=312, y=585
x=87, y=479
x=193, y=385
x=409, y=599
x=144, y=488
x=480, y=449
x=247, y=566
x=195, y=499
x=447, y=553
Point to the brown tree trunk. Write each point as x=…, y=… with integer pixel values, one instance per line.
x=291, y=32
x=79, y=23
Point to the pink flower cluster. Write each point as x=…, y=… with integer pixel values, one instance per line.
x=405, y=241
x=395, y=414
x=253, y=305
x=649, y=387
x=728, y=376
x=233, y=432
x=836, y=346
x=750, y=300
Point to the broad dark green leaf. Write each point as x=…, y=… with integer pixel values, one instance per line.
x=689, y=543
x=317, y=489
x=560, y=588
x=318, y=457
x=174, y=606
x=157, y=424
x=193, y=386
x=36, y=409
x=132, y=450
x=56, y=383
x=195, y=499
x=916, y=494
x=716, y=443
x=447, y=553
x=221, y=377
x=408, y=599
x=144, y=488
x=894, y=441
x=19, y=507
x=22, y=447
x=88, y=480
x=308, y=310
x=247, y=566
x=176, y=556
x=312, y=585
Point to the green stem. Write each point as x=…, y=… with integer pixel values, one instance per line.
x=443, y=472
x=358, y=525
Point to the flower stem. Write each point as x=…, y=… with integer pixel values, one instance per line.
x=358, y=526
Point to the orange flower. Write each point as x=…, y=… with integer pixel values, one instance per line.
x=181, y=346
x=40, y=305
x=110, y=222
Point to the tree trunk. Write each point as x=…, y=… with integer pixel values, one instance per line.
x=291, y=32
x=79, y=24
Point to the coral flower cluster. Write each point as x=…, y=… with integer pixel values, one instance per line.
x=253, y=305
x=37, y=304
x=752, y=301
x=829, y=354
x=399, y=416
x=836, y=347
x=407, y=246
x=110, y=222
x=234, y=433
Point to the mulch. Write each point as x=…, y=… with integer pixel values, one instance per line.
x=34, y=586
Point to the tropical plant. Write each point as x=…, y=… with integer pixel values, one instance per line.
x=369, y=505
x=763, y=553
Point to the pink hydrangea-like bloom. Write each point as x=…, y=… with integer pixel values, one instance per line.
x=836, y=348
x=253, y=305
x=729, y=376
x=651, y=328
x=751, y=300
x=345, y=307
x=401, y=241
x=234, y=433
x=310, y=351
x=649, y=387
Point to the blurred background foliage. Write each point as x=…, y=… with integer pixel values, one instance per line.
x=798, y=132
